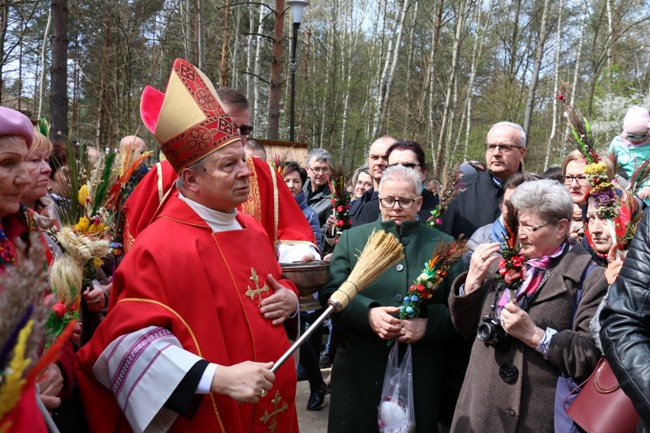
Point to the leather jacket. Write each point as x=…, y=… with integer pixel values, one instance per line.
x=625, y=322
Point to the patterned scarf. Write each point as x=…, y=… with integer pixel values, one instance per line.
x=535, y=269
x=7, y=249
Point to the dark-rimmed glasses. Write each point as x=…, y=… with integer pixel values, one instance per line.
x=404, y=203
x=568, y=180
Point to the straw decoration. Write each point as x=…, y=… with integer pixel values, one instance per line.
x=382, y=251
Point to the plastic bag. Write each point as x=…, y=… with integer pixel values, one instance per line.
x=396, y=412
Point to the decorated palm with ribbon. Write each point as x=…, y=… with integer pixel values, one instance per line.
x=433, y=273
x=90, y=226
x=340, y=205
x=448, y=192
x=511, y=269
x=602, y=189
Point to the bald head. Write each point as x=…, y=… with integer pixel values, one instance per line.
x=135, y=142
x=377, y=158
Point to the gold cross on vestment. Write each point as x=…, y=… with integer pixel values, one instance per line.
x=257, y=291
x=274, y=414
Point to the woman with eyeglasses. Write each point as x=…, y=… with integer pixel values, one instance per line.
x=522, y=347
x=631, y=148
x=371, y=320
x=411, y=155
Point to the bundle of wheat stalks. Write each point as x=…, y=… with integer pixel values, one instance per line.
x=382, y=251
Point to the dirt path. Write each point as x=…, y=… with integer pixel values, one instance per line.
x=311, y=421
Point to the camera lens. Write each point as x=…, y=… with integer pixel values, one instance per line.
x=485, y=332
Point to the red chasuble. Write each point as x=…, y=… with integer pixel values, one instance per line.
x=206, y=289
x=270, y=203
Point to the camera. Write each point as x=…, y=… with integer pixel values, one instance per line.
x=491, y=332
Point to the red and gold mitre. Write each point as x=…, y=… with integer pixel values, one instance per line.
x=188, y=120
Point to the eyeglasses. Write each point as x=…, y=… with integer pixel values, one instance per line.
x=245, y=129
x=637, y=137
x=582, y=179
x=405, y=164
x=533, y=229
x=505, y=148
x=404, y=203
x=319, y=169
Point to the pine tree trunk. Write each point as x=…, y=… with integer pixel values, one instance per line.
x=59, y=71
x=273, y=132
x=4, y=22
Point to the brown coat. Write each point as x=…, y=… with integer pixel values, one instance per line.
x=489, y=404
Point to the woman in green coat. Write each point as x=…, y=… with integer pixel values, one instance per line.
x=370, y=321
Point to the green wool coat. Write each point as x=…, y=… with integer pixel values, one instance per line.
x=360, y=362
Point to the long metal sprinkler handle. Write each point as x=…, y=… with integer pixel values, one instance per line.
x=312, y=328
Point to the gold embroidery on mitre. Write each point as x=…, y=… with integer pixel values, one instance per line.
x=273, y=415
x=257, y=291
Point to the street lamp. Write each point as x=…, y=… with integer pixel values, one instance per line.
x=297, y=9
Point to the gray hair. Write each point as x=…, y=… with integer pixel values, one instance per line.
x=195, y=167
x=399, y=172
x=319, y=155
x=521, y=140
x=547, y=198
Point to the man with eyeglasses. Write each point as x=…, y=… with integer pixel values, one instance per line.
x=366, y=209
x=631, y=148
x=478, y=204
x=316, y=188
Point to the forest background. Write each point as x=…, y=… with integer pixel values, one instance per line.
x=436, y=71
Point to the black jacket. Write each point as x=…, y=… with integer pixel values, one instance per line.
x=475, y=207
x=625, y=322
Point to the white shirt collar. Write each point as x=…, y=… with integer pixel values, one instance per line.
x=218, y=221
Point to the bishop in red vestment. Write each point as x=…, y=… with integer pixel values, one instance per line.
x=193, y=325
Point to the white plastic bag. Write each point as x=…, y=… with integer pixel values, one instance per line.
x=396, y=412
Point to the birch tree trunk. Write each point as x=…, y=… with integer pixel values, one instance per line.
x=234, y=78
x=200, y=49
x=430, y=80
x=477, y=52
x=4, y=23
x=440, y=153
x=259, y=118
x=409, y=61
x=539, y=54
x=276, y=72
x=224, y=74
x=43, y=64
x=574, y=83
x=556, y=85
x=391, y=66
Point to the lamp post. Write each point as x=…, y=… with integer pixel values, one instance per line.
x=297, y=9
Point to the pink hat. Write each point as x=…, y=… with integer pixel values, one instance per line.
x=13, y=122
x=637, y=121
